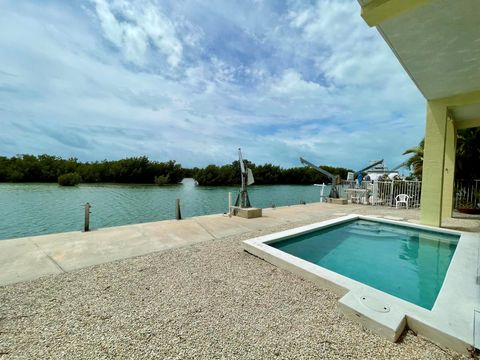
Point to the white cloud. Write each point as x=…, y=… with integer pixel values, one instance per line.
x=309, y=80
x=291, y=83
x=133, y=27
x=111, y=27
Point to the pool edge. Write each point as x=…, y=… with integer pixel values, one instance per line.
x=420, y=320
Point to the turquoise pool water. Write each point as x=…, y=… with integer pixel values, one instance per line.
x=405, y=262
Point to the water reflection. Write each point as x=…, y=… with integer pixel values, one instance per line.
x=35, y=209
x=405, y=262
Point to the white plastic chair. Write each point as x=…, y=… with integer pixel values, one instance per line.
x=401, y=199
x=374, y=199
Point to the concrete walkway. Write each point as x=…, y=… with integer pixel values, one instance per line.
x=32, y=257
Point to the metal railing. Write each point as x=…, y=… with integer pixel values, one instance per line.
x=383, y=193
x=467, y=194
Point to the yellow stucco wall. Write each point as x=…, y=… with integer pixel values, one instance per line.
x=440, y=134
x=433, y=164
x=449, y=171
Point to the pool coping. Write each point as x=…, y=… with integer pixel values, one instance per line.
x=450, y=323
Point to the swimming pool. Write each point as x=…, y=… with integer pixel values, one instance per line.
x=389, y=275
x=405, y=262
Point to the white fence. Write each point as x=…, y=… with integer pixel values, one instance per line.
x=383, y=193
x=467, y=194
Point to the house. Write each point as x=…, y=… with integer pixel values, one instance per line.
x=438, y=44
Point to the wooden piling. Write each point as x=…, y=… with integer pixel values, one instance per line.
x=178, y=213
x=86, y=226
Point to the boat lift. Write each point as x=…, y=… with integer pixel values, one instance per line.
x=246, y=174
x=360, y=172
x=335, y=179
x=399, y=166
x=385, y=171
x=403, y=164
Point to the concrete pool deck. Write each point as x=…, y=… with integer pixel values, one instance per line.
x=449, y=323
x=207, y=300
x=29, y=258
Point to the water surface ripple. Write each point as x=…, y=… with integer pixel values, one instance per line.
x=35, y=209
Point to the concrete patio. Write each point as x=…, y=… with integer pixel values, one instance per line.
x=207, y=300
x=32, y=257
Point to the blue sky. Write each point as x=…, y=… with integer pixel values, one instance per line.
x=195, y=80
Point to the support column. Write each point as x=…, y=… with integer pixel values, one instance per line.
x=449, y=171
x=433, y=164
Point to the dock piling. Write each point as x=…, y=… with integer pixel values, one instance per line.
x=86, y=226
x=178, y=213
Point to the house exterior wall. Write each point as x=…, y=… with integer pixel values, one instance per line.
x=433, y=164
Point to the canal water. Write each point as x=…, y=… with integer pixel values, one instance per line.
x=36, y=209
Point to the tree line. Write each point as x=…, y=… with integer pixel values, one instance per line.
x=47, y=168
x=141, y=170
x=266, y=174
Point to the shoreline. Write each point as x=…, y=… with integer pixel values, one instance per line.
x=28, y=258
x=47, y=208
x=202, y=297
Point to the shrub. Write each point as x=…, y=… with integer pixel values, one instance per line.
x=70, y=179
x=162, y=180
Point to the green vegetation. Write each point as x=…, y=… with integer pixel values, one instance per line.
x=467, y=157
x=415, y=162
x=162, y=180
x=467, y=163
x=70, y=179
x=141, y=170
x=46, y=168
x=266, y=174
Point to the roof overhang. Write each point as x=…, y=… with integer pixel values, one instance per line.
x=375, y=12
x=438, y=44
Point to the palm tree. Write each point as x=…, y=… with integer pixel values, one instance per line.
x=415, y=162
x=468, y=154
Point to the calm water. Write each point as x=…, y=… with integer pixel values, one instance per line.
x=34, y=209
x=408, y=263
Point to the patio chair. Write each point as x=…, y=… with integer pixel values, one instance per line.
x=375, y=199
x=356, y=197
x=401, y=199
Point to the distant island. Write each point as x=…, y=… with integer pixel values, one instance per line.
x=142, y=170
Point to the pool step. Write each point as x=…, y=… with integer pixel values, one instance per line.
x=371, y=234
x=373, y=313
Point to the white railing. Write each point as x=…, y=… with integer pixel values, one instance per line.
x=467, y=194
x=383, y=193
x=388, y=191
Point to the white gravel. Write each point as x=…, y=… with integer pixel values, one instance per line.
x=206, y=301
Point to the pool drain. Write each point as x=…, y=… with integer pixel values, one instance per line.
x=374, y=304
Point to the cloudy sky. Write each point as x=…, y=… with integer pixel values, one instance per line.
x=195, y=80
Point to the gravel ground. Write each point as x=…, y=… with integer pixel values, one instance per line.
x=210, y=300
